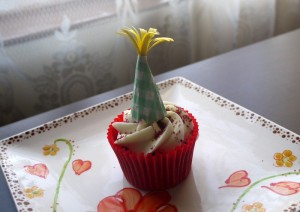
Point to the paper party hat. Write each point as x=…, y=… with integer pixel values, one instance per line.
x=147, y=105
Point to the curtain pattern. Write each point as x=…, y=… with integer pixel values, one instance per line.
x=53, y=54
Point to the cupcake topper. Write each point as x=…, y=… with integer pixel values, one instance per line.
x=147, y=105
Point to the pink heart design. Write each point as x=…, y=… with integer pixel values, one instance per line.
x=80, y=166
x=237, y=179
x=40, y=170
x=284, y=188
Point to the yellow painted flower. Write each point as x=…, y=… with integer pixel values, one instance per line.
x=255, y=207
x=286, y=158
x=50, y=149
x=142, y=39
x=33, y=192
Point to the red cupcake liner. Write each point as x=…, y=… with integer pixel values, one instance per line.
x=158, y=171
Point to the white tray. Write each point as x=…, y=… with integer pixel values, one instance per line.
x=235, y=145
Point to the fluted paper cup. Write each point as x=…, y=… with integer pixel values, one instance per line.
x=155, y=171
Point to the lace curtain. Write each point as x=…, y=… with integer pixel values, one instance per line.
x=55, y=52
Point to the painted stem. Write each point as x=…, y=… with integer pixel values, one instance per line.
x=62, y=172
x=257, y=182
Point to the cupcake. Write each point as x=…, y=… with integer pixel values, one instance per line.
x=153, y=140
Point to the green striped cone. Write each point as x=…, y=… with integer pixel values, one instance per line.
x=147, y=104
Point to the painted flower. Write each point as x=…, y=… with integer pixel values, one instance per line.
x=142, y=39
x=284, y=188
x=255, y=207
x=286, y=158
x=33, y=192
x=130, y=199
x=50, y=149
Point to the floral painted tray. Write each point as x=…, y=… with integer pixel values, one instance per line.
x=242, y=161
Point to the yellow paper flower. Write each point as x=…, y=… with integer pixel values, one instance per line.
x=142, y=39
x=50, y=149
x=33, y=192
x=286, y=158
x=255, y=207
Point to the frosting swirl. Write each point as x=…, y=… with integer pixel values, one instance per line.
x=161, y=136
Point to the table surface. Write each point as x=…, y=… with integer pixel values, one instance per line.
x=263, y=77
